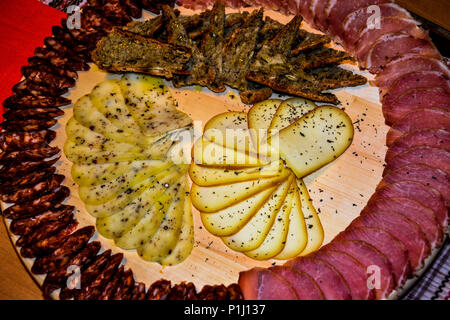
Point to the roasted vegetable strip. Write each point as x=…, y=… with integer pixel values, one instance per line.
x=125, y=51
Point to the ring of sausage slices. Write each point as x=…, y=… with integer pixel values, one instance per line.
x=403, y=222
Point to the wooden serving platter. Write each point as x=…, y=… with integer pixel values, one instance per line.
x=339, y=191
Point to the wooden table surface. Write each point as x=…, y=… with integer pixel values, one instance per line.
x=15, y=282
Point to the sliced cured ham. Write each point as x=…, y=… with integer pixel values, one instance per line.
x=426, y=196
x=436, y=138
x=413, y=99
x=330, y=281
x=407, y=63
x=351, y=270
x=317, y=8
x=392, y=45
x=428, y=118
x=433, y=157
x=386, y=243
x=368, y=256
x=336, y=11
x=263, y=284
x=405, y=230
x=413, y=80
x=411, y=209
x=368, y=36
x=357, y=20
x=305, y=286
x=304, y=10
x=426, y=175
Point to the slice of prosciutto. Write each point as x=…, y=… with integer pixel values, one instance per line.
x=263, y=284
x=305, y=12
x=426, y=175
x=369, y=257
x=336, y=11
x=413, y=80
x=330, y=281
x=433, y=157
x=351, y=270
x=386, y=243
x=419, y=119
x=358, y=20
x=425, y=195
x=369, y=35
x=405, y=230
x=413, y=99
x=317, y=8
x=304, y=285
x=436, y=138
x=411, y=209
x=392, y=45
x=407, y=63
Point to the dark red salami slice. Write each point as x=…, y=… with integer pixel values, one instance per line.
x=138, y=291
x=33, y=113
x=94, y=289
x=36, y=154
x=429, y=118
x=433, y=157
x=386, y=243
x=407, y=63
x=336, y=11
x=111, y=287
x=263, y=284
x=20, y=170
x=61, y=70
x=369, y=257
x=48, y=245
x=62, y=256
x=181, y=291
x=357, y=20
x=411, y=209
x=351, y=270
x=24, y=226
x=29, y=101
x=29, y=124
x=330, y=281
x=436, y=138
x=423, y=174
x=416, y=99
x=59, y=59
x=387, y=25
x=87, y=276
x=413, y=80
x=27, y=87
x=126, y=286
x=25, y=140
x=426, y=196
x=305, y=286
x=405, y=230
x=392, y=45
x=27, y=180
x=46, y=230
x=159, y=290
x=36, y=206
x=58, y=278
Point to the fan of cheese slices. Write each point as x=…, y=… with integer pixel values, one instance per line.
x=247, y=175
x=123, y=141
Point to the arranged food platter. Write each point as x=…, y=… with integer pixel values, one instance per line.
x=229, y=153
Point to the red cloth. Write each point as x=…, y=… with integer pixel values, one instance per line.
x=23, y=26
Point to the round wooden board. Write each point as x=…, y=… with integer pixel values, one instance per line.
x=339, y=191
